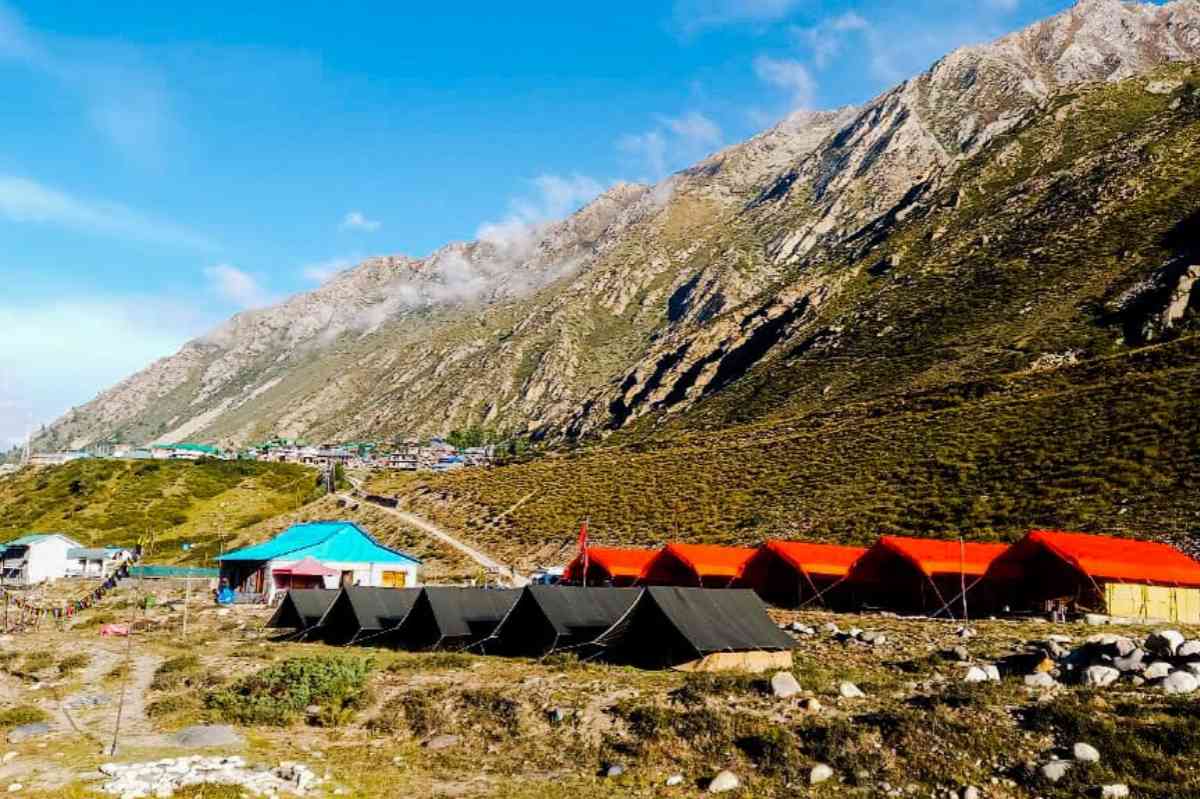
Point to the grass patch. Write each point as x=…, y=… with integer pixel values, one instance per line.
x=73, y=663
x=22, y=714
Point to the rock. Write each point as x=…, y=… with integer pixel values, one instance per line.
x=992, y=671
x=1100, y=676
x=1181, y=682
x=820, y=773
x=971, y=792
x=1164, y=642
x=1055, y=770
x=674, y=779
x=202, y=735
x=849, y=690
x=1095, y=619
x=13, y=787
x=1117, y=790
x=965, y=632
x=960, y=653
x=812, y=705
x=830, y=628
x=1192, y=669
x=1134, y=661
x=725, y=781
x=1085, y=753
x=873, y=638
x=615, y=770
x=784, y=685
x=1040, y=679
x=442, y=742
x=1188, y=649
x=976, y=674
x=1157, y=670
x=26, y=731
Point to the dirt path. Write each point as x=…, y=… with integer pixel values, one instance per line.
x=93, y=710
x=431, y=529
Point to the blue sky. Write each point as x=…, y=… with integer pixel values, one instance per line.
x=164, y=165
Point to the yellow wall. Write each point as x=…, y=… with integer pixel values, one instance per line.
x=1153, y=602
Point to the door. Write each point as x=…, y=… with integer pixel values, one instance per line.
x=348, y=578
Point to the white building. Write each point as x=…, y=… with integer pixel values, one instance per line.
x=95, y=561
x=36, y=558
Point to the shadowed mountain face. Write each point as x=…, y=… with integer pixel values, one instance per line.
x=1021, y=205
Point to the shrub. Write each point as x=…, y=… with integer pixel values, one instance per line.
x=279, y=694
x=22, y=714
x=422, y=711
x=37, y=661
x=496, y=713
x=174, y=672
x=73, y=663
x=433, y=661
x=171, y=705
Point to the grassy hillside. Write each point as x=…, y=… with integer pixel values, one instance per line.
x=116, y=502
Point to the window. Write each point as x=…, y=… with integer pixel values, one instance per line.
x=395, y=579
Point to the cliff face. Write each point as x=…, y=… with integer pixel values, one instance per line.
x=650, y=299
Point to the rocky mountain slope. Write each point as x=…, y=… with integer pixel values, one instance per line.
x=919, y=240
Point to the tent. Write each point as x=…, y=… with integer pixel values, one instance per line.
x=452, y=618
x=696, y=629
x=1120, y=576
x=609, y=566
x=358, y=615
x=919, y=575
x=547, y=617
x=301, y=610
x=794, y=573
x=698, y=565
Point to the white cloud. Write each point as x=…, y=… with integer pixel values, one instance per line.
x=322, y=271
x=693, y=15
x=238, y=287
x=555, y=197
x=27, y=201
x=825, y=40
x=356, y=220
x=1002, y=5
x=789, y=75
x=674, y=143
x=61, y=353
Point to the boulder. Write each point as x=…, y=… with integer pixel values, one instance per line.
x=1117, y=790
x=725, y=781
x=1095, y=619
x=1181, y=682
x=1040, y=679
x=202, y=735
x=1188, y=649
x=1100, y=676
x=975, y=674
x=849, y=690
x=812, y=705
x=1055, y=770
x=1133, y=662
x=1085, y=753
x=874, y=638
x=820, y=773
x=992, y=672
x=615, y=770
x=1157, y=670
x=1192, y=669
x=784, y=685
x=1164, y=642
x=674, y=779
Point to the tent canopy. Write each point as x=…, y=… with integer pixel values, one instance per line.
x=547, y=617
x=931, y=557
x=695, y=564
x=309, y=567
x=792, y=573
x=618, y=565
x=452, y=617
x=302, y=608
x=670, y=626
x=1102, y=558
x=826, y=560
x=358, y=611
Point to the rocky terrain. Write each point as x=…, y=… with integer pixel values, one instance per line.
x=797, y=247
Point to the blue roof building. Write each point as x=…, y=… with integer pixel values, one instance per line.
x=317, y=555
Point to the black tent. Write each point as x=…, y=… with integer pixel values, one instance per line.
x=301, y=609
x=696, y=629
x=358, y=615
x=451, y=618
x=549, y=617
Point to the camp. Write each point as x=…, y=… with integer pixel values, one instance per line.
x=698, y=565
x=795, y=573
x=547, y=618
x=696, y=629
x=301, y=610
x=609, y=566
x=359, y=615
x=1096, y=573
x=451, y=618
x=919, y=575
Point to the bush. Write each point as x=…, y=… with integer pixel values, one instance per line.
x=278, y=695
x=73, y=663
x=494, y=712
x=37, y=661
x=174, y=672
x=171, y=705
x=433, y=661
x=22, y=714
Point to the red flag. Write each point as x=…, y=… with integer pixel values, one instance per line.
x=583, y=549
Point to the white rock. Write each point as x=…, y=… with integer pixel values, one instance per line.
x=1164, y=642
x=1095, y=619
x=784, y=685
x=1188, y=649
x=993, y=673
x=1100, y=676
x=724, y=781
x=1085, y=753
x=1192, y=669
x=975, y=674
x=820, y=773
x=971, y=792
x=1040, y=679
x=674, y=779
x=1181, y=682
x=849, y=690
x=1055, y=770
x=13, y=787
x=1157, y=670
x=1115, y=791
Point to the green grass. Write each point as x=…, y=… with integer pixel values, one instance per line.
x=279, y=694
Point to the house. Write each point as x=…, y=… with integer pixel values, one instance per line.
x=1096, y=573
x=184, y=452
x=707, y=565
x=95, y=561
x=56, y=458
x=919, y=575
x=37, y=558
x=696, y=629
x=795, y=573
x=324, y=554
x=609, y=566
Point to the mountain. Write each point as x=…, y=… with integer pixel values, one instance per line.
x=959, y=227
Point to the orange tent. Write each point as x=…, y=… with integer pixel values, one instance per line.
x=706, y=565
x=1050, y=565
x=793, y=573
x=919, y=574
x=609, y=565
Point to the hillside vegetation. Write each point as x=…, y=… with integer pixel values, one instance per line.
x=169, y=502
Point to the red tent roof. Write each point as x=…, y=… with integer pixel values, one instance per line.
x=824, y=559
x=708, y=560
x=615, y=561
x=934, y=557
x=309, y=567
x=1117, y=559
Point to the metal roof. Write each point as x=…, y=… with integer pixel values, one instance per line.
x=333, y=540
x=33, y=538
